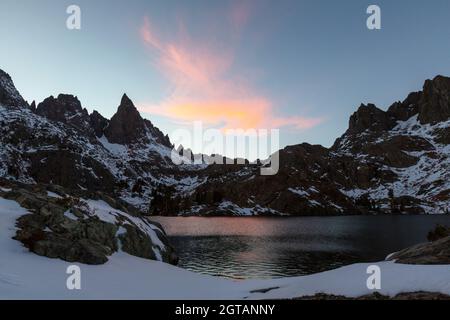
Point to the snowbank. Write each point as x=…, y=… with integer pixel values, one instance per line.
x=24, y=275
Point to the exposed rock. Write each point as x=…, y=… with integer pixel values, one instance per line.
x=434, y=106
x=127, y=125
x=65, y=227
x=437, y=252
x=66, y=109
x=376, y=296
x=393, y=161
x=33, y=106
x=442, y=135
x=9, y=96
x=70, y=169
x=98, y=123
x=438, y=233
x=369, y=117
x=404, y=110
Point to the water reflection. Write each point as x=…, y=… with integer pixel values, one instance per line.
x=273, y=247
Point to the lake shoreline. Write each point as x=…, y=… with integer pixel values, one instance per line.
x=287, y=216
x=271, y=247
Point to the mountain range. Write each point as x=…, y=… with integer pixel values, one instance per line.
x=387, y=162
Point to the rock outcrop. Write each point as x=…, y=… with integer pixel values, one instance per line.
x=66, y=109
x=86, y=230
x=98, y=123
x=435, y=252
x=434, y=105
x=369, y=117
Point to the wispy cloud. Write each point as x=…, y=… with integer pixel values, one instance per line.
x=205, y=86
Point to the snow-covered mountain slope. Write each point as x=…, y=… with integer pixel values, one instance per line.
x=403, y=151
x=24, y=275
x=394, y=161
x=425, y=174
x=61, y=143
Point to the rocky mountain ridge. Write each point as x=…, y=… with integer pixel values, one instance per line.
x=394, y=161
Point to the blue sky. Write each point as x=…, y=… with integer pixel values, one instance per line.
x=302, y=66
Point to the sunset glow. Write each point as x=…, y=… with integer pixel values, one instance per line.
x=206, y=86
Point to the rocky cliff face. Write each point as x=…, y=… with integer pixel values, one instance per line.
x=66, y=109
x=9, y=96
x=393, y=161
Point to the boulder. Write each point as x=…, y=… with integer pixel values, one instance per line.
x=67, y=229
x=437, y=252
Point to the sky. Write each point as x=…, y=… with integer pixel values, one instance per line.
x=299, y=66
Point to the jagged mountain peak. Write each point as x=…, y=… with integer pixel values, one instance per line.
x=438, y=81
x=126, y=126
x=434, y=105
x=64, y=108
x=126, y=101
x=127, y=109
x=33, y=106
x=9, y=96
x=64, y=102
x=369, y=117
x=98, y=123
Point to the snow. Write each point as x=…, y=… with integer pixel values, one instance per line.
x=70, y=215
x=299, y=192
x=24, y=275
x=228, y=205
x=303, y=193
x=240, y=211
x=108, y=214
x=424, y=180
x=53, y=195
x=314, y=203
x=126, y=163
x=116, y=149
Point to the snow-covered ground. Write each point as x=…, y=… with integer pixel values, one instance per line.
x=24, y=275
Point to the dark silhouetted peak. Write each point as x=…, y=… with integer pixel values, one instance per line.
x=56, y=108
x=434, y=105
x=369, y=117
x=127, y=125
x=125, y=101
x=9, y=96
x=65, y=108
x=98, y=123
x=33, y=106
x=402, y=111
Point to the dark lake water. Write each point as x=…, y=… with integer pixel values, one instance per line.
x=260, y=247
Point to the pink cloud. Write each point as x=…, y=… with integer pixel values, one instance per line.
x=239, y=14
x=205, y=87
